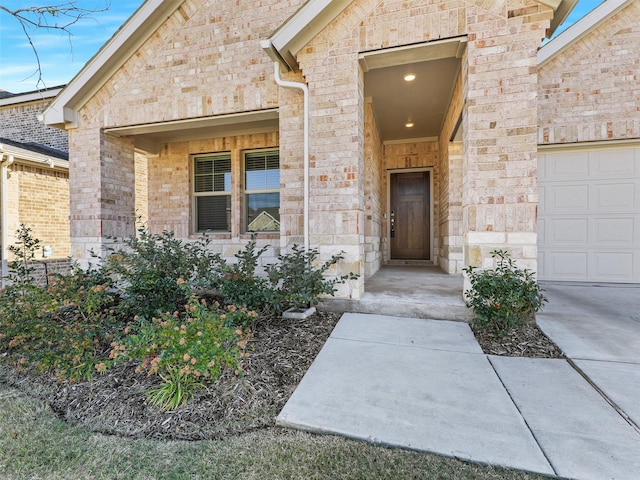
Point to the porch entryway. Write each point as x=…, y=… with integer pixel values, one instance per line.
x=409, y=291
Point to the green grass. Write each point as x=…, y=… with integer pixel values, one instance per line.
x=34, y=444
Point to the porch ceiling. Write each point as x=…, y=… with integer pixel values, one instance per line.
x=149, y=137
x=423, y=101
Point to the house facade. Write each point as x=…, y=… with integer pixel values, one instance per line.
x=34, y=178
x=395, y=132
x=589, y=149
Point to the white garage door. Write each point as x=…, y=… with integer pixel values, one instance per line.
x=589, y=215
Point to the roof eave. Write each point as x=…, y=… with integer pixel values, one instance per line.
x=25, y=156
x=579, y=29
x=285, y=43
x=62, y=112
x=562, y=9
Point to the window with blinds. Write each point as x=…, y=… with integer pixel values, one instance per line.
x=212, y=192
x=262, y=191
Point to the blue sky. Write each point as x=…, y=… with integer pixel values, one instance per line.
x=61, y=60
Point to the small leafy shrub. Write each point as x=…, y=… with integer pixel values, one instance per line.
x=158, y=272
x=186, y=349
x=239, y=284
x=503, y=298
x=299, y=282
x=62, y=329
x=24, y=251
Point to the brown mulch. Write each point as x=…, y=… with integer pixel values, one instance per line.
x=281, y=351
x=527, y=341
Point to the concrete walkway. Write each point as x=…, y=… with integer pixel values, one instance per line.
x=426, y=385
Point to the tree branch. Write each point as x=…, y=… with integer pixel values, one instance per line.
x=55, y=17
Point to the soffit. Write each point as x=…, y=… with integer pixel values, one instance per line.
x=150, y=137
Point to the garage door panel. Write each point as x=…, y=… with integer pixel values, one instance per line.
x=618, y=196
x=620, y=232
x=570, y=166
x=589, y=215
x=613, y=266
x=567, y=265
x=542, y=231
x=568, y=198
x=569, y=231
x=618, y=163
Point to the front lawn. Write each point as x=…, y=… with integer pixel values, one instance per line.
x=35, y=444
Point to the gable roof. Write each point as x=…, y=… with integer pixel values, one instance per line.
x=8, y=98
x=282, y=46
x=113, y=54
x=581, y=28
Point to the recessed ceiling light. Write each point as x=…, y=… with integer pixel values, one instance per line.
x=409, y=124
x=409, y=77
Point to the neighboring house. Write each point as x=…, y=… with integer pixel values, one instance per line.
x=34, y=178
x=422, y=120
x=589, y=154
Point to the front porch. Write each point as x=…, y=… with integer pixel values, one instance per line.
x=408, y=291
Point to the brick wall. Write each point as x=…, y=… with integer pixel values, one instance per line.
x=39, y=199
x=500, y=129
x=141, y=188
x=19, y=122
x=204, y=60
x=374, y=224
x=170, y=184
x=450, y=257
x=590, y=91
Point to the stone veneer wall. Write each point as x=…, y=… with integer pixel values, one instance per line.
x=590, y=91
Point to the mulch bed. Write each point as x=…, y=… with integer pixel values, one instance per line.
x=528, y=341
x=281, y=351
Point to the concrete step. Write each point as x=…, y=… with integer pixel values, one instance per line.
x=432, y=307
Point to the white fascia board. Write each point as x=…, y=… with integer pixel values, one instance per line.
x=20, y=155
x=579, y=29
x=191, y=123
x=135, y=31
x=30, y=96
x=302, y=27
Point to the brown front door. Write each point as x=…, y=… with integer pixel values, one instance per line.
x=410, y=216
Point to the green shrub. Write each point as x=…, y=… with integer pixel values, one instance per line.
x=239, y=283
x=299, y=281
x=503, y=298
x=187, y=348
x=157, y=272
x=70, y=329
